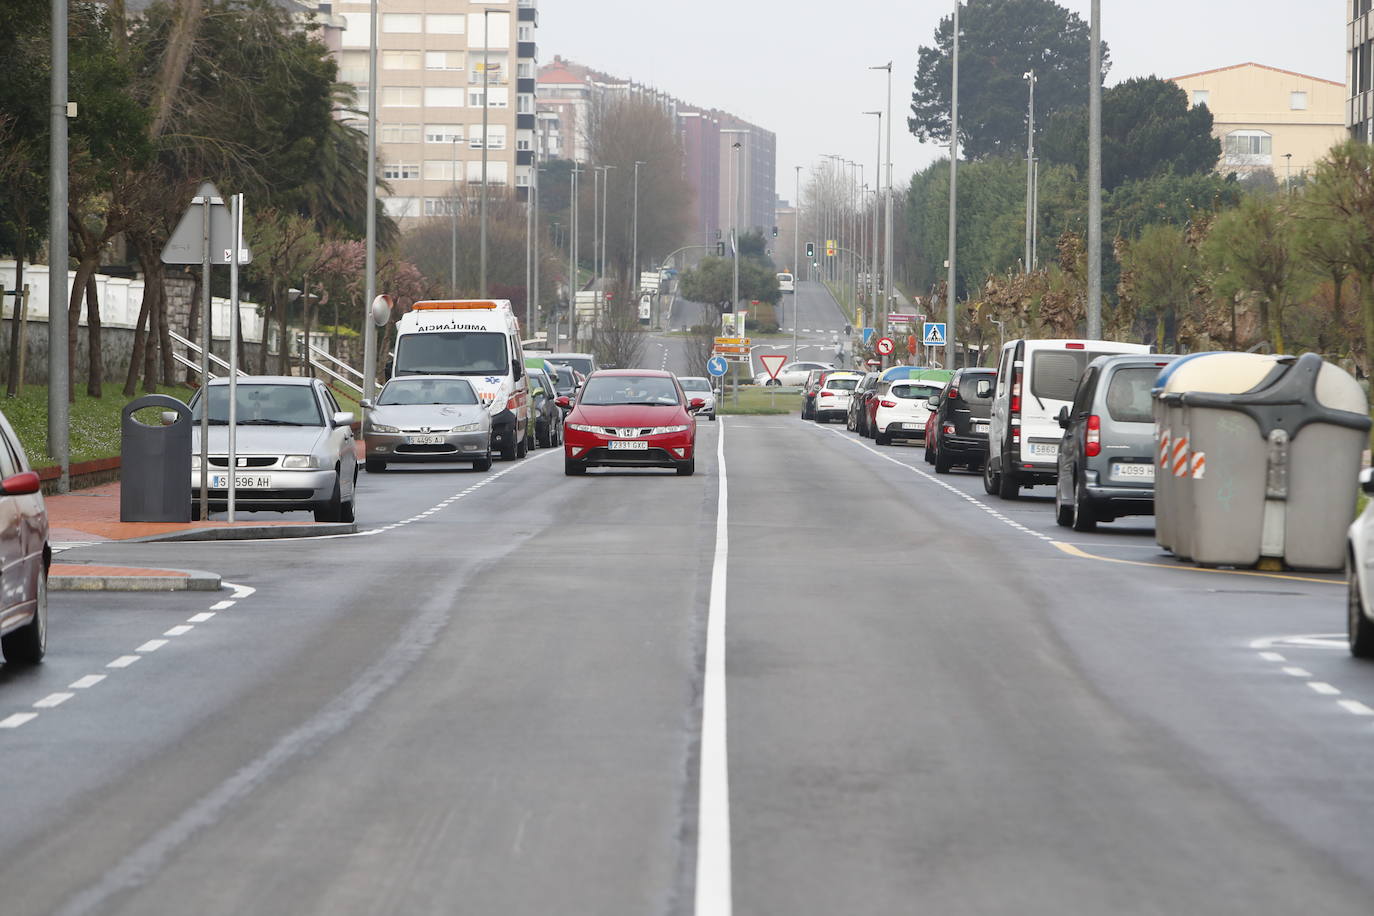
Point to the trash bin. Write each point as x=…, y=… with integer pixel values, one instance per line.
x=1219, y=372
x=155, y=463
x=1265, y=464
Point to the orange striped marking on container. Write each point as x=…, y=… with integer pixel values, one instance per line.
x=1181, y=457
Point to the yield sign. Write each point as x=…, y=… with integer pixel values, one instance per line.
x=187, y=242
x=773, y=363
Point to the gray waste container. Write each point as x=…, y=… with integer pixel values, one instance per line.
x=155, y=464
x=1267, y=467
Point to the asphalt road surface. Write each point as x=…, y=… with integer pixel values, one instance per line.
x=812, y=679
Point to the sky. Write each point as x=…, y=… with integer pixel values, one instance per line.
x=799, y=67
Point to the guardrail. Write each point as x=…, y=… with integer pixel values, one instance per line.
x=196, y=349
x=336, y=376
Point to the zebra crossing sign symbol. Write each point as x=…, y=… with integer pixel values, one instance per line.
x=934, y=334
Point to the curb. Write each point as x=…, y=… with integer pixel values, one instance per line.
x=176, y=580
x=250, y=533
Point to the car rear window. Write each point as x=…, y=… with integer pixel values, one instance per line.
x=1055, y=373
x=1128, y=395
x=914, y=392
x=842, y=384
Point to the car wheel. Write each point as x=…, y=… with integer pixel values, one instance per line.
x=482, y=464
x=28, y=644
x=1063, y=515
x=509, y=448
x=332, y=510
x=543, y=439
x=713, y=416
x=522, y=448
x=1008, y=487
x=992, y=481
x=1359, y=628
x=772, y=381
x=572, y=468
x=880, y=438
x=687, y=468
x=195, y=509
x=942, y=464
x=347, y=511
x=1084, y=515
x=374, y=466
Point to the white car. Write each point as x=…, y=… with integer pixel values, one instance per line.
x=792, y=374
x=1358, y=559
x=903, y=407
x=832, y=401
x=698, y=387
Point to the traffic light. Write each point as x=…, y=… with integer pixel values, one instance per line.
x=810, y=251
x=775, y=232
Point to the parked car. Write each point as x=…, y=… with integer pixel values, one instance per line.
x=832, y=399
x=294, y=447
x=809, y=388
x=584, y=363
x=1035, y=378
x=901, y=410
x=426, y=419
x=697, y=387
x=548, y=417
x=1107, y=455
x=857, y=418
x=1359, y=557
x=792, y=374
x=565, y=380
x=25, y=555
x=957, y=429
x=630, y=418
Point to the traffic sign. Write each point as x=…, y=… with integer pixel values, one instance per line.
x=717, y=366
x=734, y=341
x=900, y=318
x=187, y=242
x=886, y=346
x=868, y=335
x=935, y=334
x=773, y=363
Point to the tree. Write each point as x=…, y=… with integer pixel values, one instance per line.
x=1148, y=129
x=999, y=41
x=1158, y=278
x=712, y=282
x=1251, y=249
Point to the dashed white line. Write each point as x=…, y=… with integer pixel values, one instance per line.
x=89, y=680
x=1272, y=657
x=201, y=617
x=1297, y=672
x=151, y=645
x=1324, y=688
x=17, y=719
x=53, y=700
x=222, y=606
x=123, y=661
x=180, y=629
x=1355, y=707
x=241, y=591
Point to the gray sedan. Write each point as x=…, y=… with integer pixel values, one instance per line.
x=427, y=418
x=294, y=448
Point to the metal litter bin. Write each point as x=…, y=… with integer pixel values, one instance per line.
x=1262, y=462
x=155, y=463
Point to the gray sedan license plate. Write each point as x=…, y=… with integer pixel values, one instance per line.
x=627, y=445
x=424, y=440
x=241, y=481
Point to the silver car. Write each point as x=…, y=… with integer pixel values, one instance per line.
x=698, y=387
x=294, y=448
x=426, y=418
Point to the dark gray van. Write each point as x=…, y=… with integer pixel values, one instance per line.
x=1106, y=466
x=959, y=429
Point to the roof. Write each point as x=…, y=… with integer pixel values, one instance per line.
x=635, y=373
x=266, y=380
x=1305, y=76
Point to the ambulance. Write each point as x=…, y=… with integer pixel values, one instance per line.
x=480, y=340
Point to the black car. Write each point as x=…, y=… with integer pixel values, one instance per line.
x=548, y=416
x=857, y=421
x=565, y=381
x=959, y=426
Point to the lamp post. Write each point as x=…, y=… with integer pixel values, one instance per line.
x=58, y=380
x=572, y=257
x=877, y=192
x=887, y=200
x=486, y=144
x=734, y=223
x=370, y=270
x=1095, y=174
x=605, y=215
x=953, y=197
x=453, y=221
x=634, y=245
x=1288, y=172
x=796, y=257
x=1029, y=77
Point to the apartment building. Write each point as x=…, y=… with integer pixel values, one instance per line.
x=1269, y=119
x=1359, y=79
x=442, y=65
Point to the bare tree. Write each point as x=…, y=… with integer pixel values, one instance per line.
x=617, y=339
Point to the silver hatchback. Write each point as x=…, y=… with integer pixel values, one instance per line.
x=1107, y=456
x=427, y=418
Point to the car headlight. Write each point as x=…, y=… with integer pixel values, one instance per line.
x=466, y=428
x=580, y=428
x=664, y=430
x=298, y=462
x=383, y=428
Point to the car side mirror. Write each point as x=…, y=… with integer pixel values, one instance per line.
x=21, y=484
x=696, y=404
x=367, y=404
x=933, y=402
x=343, y=418
x=1366, y=481
x=1063, y=418
x=537, y=392
x=564, y=401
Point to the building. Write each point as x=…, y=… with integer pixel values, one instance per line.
x=1269, y=119
x=1359, y=40
x=434, y=57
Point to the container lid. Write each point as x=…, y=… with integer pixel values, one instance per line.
x=1339, y=390
x=1221, y=373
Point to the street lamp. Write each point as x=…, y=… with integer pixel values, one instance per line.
x=634, y=246
x=486, y=143
x=1288, y=174
x=887, y=206
x=734, y=222
x=796, y=257
x=453, y=220
x=1029, y=77
x=877, y=191
x=1095, y=174
x=605, y=216
x=950, y=279
x=370, y=269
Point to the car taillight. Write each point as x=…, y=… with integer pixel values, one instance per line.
x=1093, y=443
x=886, y=403
x=1075, y=346
x=1016, y=391
x=827, y=394
x=952, y=393
x=947, y=429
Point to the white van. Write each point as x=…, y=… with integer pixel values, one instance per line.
x=1034, y=379
x=479, y=339
x=787, y=283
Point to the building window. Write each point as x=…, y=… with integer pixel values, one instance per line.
x=400, y=22
x=401, y=207
x=400, y=171
x=400, y=96
x=400, y=133
x=1200, y=97
x=443, y=97
x=522, y=145
x=500, y=98
x=438, y=206
x=1297, y=101
x=401, y=60
x=353, y=67
x=444, y=133
x=496, y=133
x=443, y=24
x=496, y=172
x=474, y=98
x=525, y=70
x=524, y=103
x=357, y=31
x=1248, y=147
x=526, y=33
x=500, y=31
x=440, y=169
x=443, y=60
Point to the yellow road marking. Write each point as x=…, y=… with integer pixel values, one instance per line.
x=1073, y=551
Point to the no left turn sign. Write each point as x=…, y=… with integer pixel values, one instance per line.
x=885, y=346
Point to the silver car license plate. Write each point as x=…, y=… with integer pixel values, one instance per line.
x=627, y=445
x=1133, y=470
x=241, y=481
x=424, y=440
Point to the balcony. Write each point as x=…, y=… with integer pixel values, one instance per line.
x=524, y=122
x=525, y=85
x=524, y=157
x=525, y=50
x=528, y=14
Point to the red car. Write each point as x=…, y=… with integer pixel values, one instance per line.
x=636, y=418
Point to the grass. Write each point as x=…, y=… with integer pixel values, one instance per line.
x=759, y=402
x=94, y=426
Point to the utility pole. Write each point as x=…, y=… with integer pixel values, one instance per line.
x=634, y=245
x=453, y=222
x=796, y=265
x=953, y=198
x=1029, y=77
x=370, y=270
x=486, y=143
x=534, y=238
x=605, y=216
x=1095, y=176
x=572, y=259
x=59, y=381
x=734, y=227
x=877, y=199
x=887, y=204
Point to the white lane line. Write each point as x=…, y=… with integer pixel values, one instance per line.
x=1272, y=657
x=89, y=680
x=222, y=605
x=1297, y=672
x=201, y=617
x=17, y=719
x=52, y=700
x=123, y=661
x=1355, y=707
x=240, y=591
x=1324, y=688
x=180, y=629
x=713, y=883
x=151, y=645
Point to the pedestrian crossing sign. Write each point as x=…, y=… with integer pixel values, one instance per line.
x=934, y=334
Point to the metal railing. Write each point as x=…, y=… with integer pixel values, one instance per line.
x=194, y=364
x=332, y=373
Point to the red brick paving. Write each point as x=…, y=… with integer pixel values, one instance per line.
x=93, y=515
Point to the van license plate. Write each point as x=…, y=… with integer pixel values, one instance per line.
x=241, y=481
x=424, y=440
x=981, y=428
x=1133, y=470
x=1045, y=449
x=627, y=445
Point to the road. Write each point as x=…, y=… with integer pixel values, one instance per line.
x=812, y=679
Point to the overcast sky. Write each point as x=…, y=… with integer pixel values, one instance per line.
x=797, y=67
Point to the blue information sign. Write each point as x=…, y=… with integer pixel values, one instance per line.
x=868, y=335
x=717, y=366
x=935, y=334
